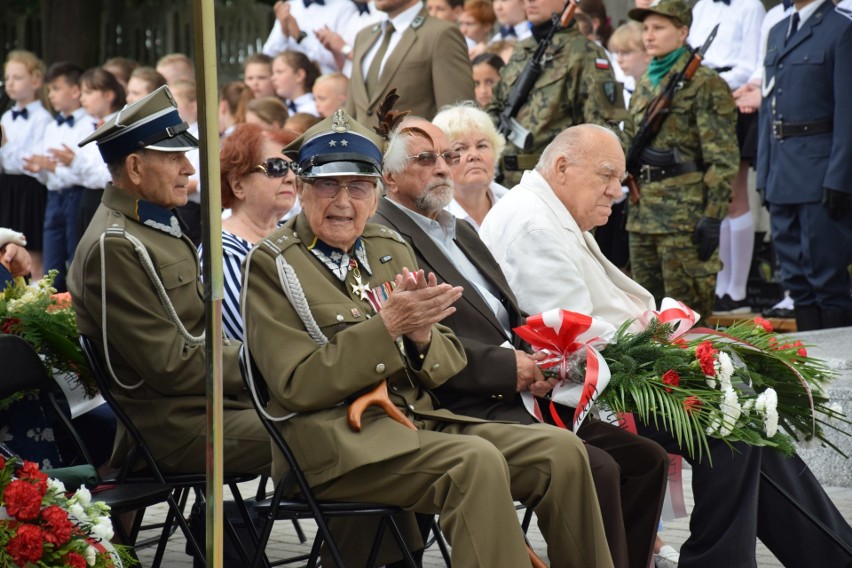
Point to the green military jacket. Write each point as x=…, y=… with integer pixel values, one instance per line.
x=169, y=405
x=702, y=127
x=577, y=86
x=316, y=381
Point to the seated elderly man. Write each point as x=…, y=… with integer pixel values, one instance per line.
x=334, y=306
x=539, y=234
x=136, y=290
x=629, y=471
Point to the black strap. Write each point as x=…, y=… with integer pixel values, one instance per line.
x=651, y=174
x=782, y=130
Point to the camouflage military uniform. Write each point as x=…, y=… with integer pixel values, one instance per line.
x=577, y=86
x=701, y=127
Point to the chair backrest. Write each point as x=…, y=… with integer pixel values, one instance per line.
x=105, y=387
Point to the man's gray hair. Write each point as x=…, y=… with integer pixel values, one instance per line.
x=396, y=154
x=569, y=143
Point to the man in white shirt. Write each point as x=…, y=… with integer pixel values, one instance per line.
x=539, y=234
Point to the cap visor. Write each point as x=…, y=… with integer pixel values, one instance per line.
x=183, y=142
x=342, y=168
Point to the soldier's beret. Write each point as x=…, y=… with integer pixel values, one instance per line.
x=151, y=123
x=336, y=146
x=675, y=9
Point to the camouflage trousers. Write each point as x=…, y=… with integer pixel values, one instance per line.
x=668, y=265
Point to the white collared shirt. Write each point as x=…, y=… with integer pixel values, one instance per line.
x=737, y=42
x=304, y=103
x=495, y=192
x=522, y=32
x=357, y=24
x=336, y=14
x=808, y=11
x=95, y=172
x=55, y=136
x=773, y=16
x=401, y=22
x=23, y=138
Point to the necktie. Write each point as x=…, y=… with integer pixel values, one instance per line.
x=23, y=113
x=376, y=65
x=363, y=8
x=725, y=2
x=292, y=106
x=309, y=2
x=506, y=31
x=794, y=27
x=69, y=120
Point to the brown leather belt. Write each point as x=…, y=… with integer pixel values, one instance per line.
x=782, y=130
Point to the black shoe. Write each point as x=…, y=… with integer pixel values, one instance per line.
x=782, y=313
x=728, y=306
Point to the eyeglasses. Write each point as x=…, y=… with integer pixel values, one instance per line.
x=273, y=167
x=429, y=159
x=329, y=188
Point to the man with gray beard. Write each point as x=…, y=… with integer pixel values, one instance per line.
x=628, y=471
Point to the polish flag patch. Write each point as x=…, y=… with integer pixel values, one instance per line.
x=602, y=63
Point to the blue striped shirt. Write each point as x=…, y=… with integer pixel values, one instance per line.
x=234, y=249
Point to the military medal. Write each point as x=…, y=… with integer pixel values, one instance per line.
x=358, y=287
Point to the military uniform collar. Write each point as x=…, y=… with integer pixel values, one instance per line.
x=149, y=214
x=338, y=261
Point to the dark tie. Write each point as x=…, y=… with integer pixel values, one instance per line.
x=292, y=106
x=309, y=2
x=506, y=31
x=376, y=65
x=794, y=27
x=23, y=113
x=725, y=2
x=363, y=8
x=69, y=120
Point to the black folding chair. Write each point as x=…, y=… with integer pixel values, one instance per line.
x=182, y=483
x=24, y=370
x=305, y=505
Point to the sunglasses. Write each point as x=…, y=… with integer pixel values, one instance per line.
x=273, y=167
x=429, y=159
x=329, y=188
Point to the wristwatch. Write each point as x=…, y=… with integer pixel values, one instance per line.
x=345, y=50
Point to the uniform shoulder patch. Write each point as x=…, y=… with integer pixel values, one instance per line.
x=376, y=230
x=602, y=63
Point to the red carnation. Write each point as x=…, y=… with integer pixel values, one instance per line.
x=671, y=377
x=691, y=404
x=23, y=500
x=74, y=560
x=26, y=545
x=58, y=527
x=706, y=356
x=681, y=342
x=766, y=325
x=2, y=462
x=30, y=472
x=9, y=325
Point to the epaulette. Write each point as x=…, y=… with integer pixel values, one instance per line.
x=280, y=239
x=376, y=230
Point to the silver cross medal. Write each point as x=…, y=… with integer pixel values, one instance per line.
x=359, y=287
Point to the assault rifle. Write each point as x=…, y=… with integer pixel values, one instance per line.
x=656, y=114
x=507, y=125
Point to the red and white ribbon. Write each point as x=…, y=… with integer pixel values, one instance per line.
x=560, y=333
x=674, y=312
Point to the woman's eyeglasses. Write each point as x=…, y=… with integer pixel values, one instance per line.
x=329, y=188
x=273, y=167
x=429, y=159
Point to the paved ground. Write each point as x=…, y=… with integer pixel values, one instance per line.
x=284, y=542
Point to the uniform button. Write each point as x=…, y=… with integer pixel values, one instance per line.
x=806, y=57
x=781, y=66
x=436, y=366
x=380, y=368
x=499, y=397
x=369, y=113
x=180, y=277
x=339, y=317
x=780, y=91
x=394, y=388
x=410, y=407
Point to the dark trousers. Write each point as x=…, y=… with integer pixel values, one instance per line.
x=736, y=502
x=60, y=231
x=90, y=200
x=630, y=479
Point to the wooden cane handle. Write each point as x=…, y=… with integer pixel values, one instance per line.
x=534, y=559
x=378, y=397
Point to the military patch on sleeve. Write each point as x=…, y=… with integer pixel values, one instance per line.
x=610, y=91
x=602, y=63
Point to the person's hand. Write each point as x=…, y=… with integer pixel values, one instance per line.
x=16, y=259
x=543, y=387
x=417, y=303
x=330, y=39
x=39, y=162
x=289, y=27
x=748, y=98
x=838, y=203
x=527, y=371
x=706, y=236
x=64, y=155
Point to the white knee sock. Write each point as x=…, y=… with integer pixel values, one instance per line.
x=723, y=277
x=742, y=248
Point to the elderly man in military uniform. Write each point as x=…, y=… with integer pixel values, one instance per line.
x=136, y=290
x=804, y=166
x=576, y=86
x=335, y=306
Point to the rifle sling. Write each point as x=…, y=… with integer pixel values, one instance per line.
x=651, y=174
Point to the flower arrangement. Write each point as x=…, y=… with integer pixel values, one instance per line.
x=46, y=321
x=745, y=384
x=43, y=527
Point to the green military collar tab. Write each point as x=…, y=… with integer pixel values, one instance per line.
x=675, y=9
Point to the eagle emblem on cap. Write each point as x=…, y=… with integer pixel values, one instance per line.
x=340, y=122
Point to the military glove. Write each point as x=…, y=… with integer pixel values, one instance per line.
x=706, y=236
x=837, y=203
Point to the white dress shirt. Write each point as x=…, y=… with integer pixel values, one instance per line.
x=738, y=41
x=357, y=24
x=335, y=14
x=400, y=23
x=304, y=103
x=23, y=138
x=522, y=31
x=773, y=16
x=95, y=172
x=55, y=136
x=550, y=263
x=495, y=192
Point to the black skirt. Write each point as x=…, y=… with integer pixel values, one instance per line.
x=22, y=203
